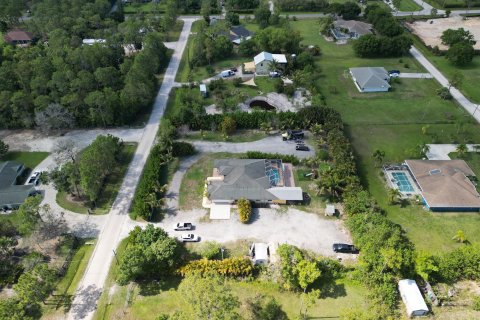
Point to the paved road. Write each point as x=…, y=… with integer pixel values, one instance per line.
x=273, y=144
x=441, y=151
x=117, y=222
x=412, y=75
x=457, y=95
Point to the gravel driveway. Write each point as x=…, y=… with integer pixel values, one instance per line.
x=273, y=144
x=299, y=228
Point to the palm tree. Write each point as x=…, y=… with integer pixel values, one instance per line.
x=378, y=156
x=393, y=195
x=273, y=66
x=462, y=149
x=459, y=236
x=424, y=149
x=266, y=127
x=317, y=129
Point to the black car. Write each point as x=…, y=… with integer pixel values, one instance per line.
x=344, y=248
x=302, y=147
x=234, y=69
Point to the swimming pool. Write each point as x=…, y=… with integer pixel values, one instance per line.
x=401, y=180
x=274, y=177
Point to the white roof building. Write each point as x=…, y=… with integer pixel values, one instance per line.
x=412, y=298
x=267, y=56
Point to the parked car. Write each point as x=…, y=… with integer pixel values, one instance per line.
x=234, y=69
x=302, y=147
x=227, y=73
x=181, y=226
x=274, y=74
x=189, y=238
x=394, y=73
x=344, y=248
x=34, y=178
x=293, y=135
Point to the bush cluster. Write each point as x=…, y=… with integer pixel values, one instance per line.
x=459, y=264
x=182, y=149
x=230, y=267
x=244, y=210
x=288, y=158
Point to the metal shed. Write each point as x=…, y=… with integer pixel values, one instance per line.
x=412, y=298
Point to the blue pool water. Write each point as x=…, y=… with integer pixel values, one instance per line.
x=402, y=182
x=274, y=177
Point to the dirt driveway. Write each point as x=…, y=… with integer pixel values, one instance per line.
x=305, y=230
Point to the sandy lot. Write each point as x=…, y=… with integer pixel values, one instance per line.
x=430, y=32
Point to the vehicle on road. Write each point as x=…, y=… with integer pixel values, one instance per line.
x=227, y=73
x=34, y=178
x=293, y=135
x=302, y=147
x=190, y=237
x=181, y=226
x=344, y=248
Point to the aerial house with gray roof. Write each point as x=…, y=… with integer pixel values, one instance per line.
x=257, y=180
x=371, y=79
x=11, y=194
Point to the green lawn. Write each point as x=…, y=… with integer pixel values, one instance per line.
x=29, y=159
x=393, y=122
x=60, y=300
x=471, y=72
x=192, y=187
x=110, y=188
x=408, y=5
x=239, y=136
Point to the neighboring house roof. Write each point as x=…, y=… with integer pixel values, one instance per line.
x=371, y=77
x=267, y=56
x=353, y=26
x=253, y=179
x=10, y=193
x=18, y=35
x=444, y=183
x=240, y=31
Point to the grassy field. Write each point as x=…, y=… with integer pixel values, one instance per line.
x=29, y=159
x=148, y=301
x=239, y=136
x=408, y=5
x=192, y=187
x=471, y=72
x=393, y=122
x=60, y=300
x=110, y=188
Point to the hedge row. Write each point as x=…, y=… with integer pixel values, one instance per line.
x=232, y=267
x=287, y=158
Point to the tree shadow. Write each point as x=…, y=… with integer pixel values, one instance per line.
x=151, y=288
x=88, y=302
x=332, y=290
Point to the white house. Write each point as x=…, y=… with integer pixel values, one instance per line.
x=264, y=59
x=412, y=298
x=91, y=42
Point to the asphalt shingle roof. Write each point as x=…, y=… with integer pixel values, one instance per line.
x=371, y=77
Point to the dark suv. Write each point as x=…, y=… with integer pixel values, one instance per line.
x=344, y=248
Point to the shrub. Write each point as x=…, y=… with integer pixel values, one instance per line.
x=209, y=249
x=244, y=210
x=230, y=267
x=289, y=89
x=228, y=125
x=476, y=303
x=263, y=155
x=182, y=149
x=459, y=264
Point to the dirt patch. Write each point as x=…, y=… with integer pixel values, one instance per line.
x=430, y=31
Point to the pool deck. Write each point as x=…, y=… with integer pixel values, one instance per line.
x=392, y=184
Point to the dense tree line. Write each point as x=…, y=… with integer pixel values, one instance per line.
x=211, y=44
x=60, y=83
x=306, y=5
x=242, y=4
x=391, y=40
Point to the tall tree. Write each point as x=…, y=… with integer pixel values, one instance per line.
x=209, y=298
x=3, y=148
x=34, y=286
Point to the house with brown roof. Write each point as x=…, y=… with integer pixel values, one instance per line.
x=445, y=185
x=18, y=37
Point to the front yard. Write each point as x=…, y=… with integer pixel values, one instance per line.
x=109, y=190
